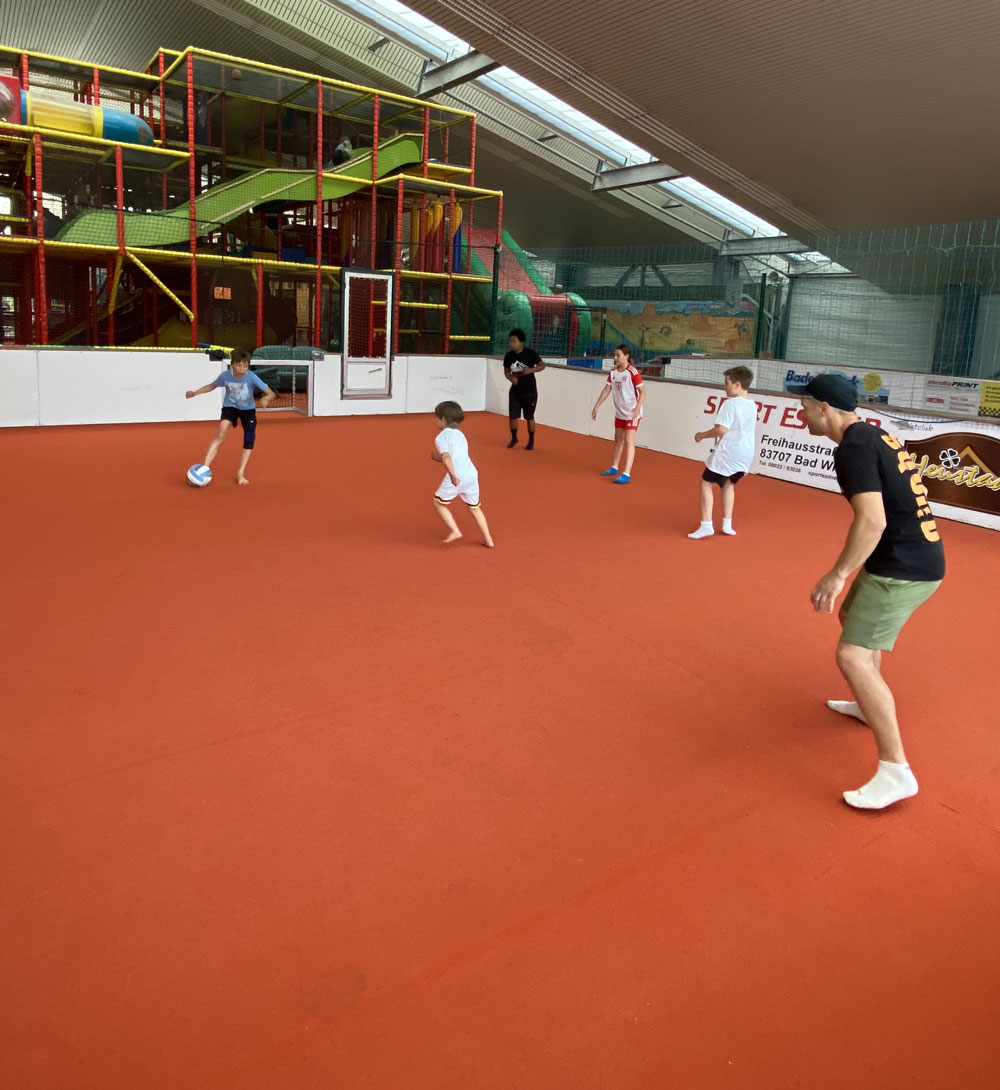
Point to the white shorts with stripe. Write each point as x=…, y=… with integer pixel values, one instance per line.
x=468, y=490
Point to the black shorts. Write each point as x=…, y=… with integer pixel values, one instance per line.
x=717, y=478
x=519, y=402
x=246, y=417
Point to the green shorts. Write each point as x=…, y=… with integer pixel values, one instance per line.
x=877, y=607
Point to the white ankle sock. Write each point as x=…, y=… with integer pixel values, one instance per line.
x=706, y=529
x=890, y=783
x=847, y=707
x=727, y=527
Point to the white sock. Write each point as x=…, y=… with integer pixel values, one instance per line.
x=706, y=529
x=891, y=783
x=847, y=707
x=727, y=527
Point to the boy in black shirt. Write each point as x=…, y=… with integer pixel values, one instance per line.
x=896, y=539
x=520, y=366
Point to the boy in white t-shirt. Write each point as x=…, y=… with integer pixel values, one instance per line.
x=452, y=450
x=628, y=393
x=735, y=429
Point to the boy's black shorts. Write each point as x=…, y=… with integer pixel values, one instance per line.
x=719, y=479
x=246, y=417
x=519, y=402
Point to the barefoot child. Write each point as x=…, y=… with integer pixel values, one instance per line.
x=237, y=406
x=452, y=450
x=735, y=425
x=628, y=392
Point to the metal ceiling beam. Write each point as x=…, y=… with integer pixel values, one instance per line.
x=760, y=247
x=626, y=177
x=454, y=73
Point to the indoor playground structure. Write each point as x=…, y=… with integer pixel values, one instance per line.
x=208, y=200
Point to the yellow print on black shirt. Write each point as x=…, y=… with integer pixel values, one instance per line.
x=907, y=464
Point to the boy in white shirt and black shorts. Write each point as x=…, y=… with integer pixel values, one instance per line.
x=735, y=428
x=462, y=478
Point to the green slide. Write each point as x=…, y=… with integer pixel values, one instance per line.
x=527, y=267
x=521, y=284
x=225, y=202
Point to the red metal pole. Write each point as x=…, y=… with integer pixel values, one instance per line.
x=466, y=287
x=43, y=295
x=419, y=263
x=260, y=304
x=88, y=292
x=318, y=302
x=222, y=120
x=192, y=181
x=371, y=317
x=375, y=115
x=96, y=87
x=163, y=106
x=427, y=136
x=398, y=265
x=120, y=198
x=423, y=235
x=163, y=125
x=111, y=313
x=448, y=269
x=25, y=78
x=472, y=154
x=447, y=316
x=351, y=230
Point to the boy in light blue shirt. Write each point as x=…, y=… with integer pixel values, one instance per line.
x=238, y=406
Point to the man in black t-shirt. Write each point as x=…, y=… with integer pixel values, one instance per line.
x=895, y=538
x=520, y=366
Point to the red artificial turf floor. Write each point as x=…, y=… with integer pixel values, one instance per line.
x=294, y=796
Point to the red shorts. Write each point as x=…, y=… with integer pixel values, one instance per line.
x=627, y=425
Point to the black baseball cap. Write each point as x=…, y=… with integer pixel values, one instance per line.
x=838, y=392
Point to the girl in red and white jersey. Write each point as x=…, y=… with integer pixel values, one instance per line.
x=628, y=393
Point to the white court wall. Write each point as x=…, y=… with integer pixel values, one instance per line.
x=446, y=378
x=418, y=384
x=72, y=386
x=566, y=397
x=93, y=387
x=19, y=388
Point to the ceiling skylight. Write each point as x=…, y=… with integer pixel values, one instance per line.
x=419, y=33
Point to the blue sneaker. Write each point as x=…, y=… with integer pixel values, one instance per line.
x=610, y=472
x=622, y=479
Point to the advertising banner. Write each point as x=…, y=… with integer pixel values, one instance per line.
x=952, y=395
x=875, y=386
x=870, y=385
x=959, y=464
x=989, y=399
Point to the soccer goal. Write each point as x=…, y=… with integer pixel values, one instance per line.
x=366, y=369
